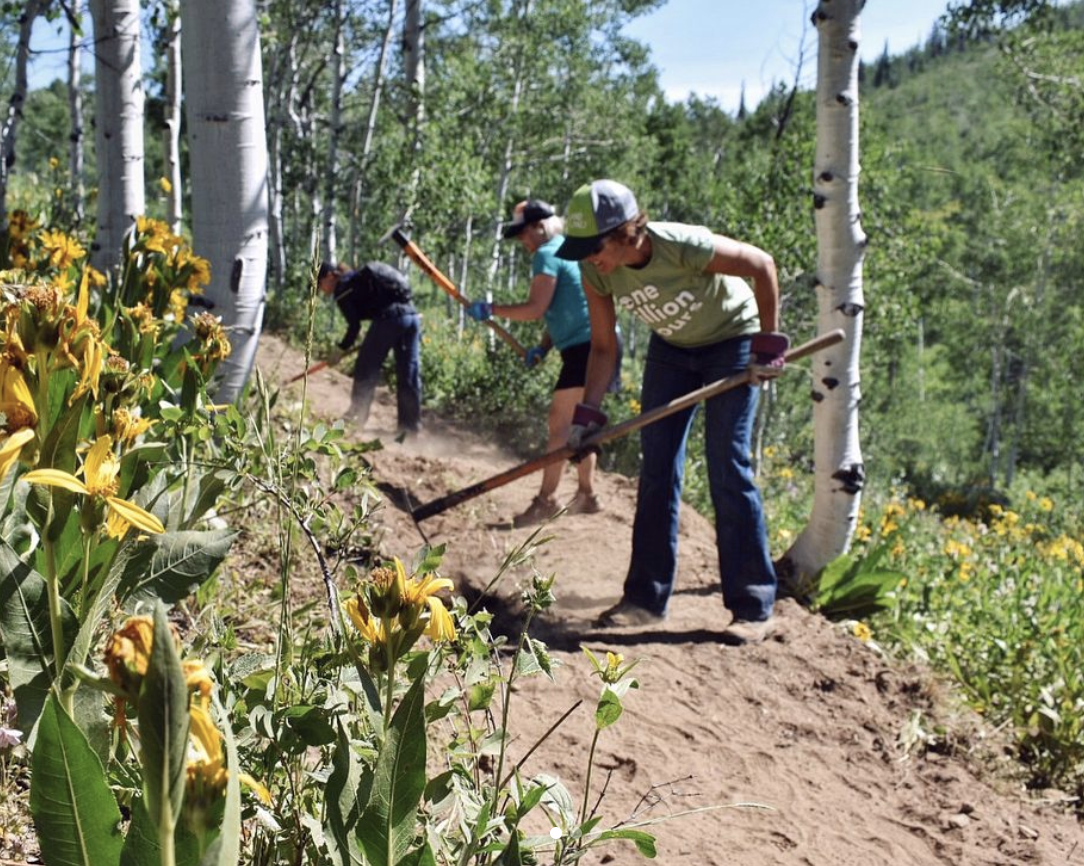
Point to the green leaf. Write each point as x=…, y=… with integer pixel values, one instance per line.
x=386, y=829
x=75, y=815
x=644, y=842
x=347, y=789
x=609, y=709
x=163, y=726
x=420, y=857
x=180, y=564
x=26, y=634
x=308, y=724
x=141, y=844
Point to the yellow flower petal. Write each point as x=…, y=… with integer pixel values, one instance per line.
x=10, y=448
x=441, y=626
x=135, y=515
x=56, y=478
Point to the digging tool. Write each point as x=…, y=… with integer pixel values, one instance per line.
x=608, y=434
x=320, y=365
x=422, y=261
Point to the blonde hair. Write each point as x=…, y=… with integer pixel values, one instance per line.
x=552, y=226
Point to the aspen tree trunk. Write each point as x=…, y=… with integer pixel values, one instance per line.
x=282, y=86
x=228, y=167
x=414, y=74
x=839, y=474
x=77, y=193
x=9, y=131
x=505, y=176
x=174, y=207
x=118, y=125
x=361, y=186
x=331, y=171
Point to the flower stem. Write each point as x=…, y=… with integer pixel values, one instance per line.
x=587, y=781
x=56, y=622
x=166, y=832
x=390, y=695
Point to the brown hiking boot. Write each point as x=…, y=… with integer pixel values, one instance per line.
x=744, y=631
x=584, y=503
x=540, y=510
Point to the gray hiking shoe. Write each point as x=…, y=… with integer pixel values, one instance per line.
x=623, y=615
x=744, y=631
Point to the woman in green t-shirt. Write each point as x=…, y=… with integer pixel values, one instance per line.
x=689, y=286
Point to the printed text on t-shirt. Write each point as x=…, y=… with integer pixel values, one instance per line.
x=665, y=319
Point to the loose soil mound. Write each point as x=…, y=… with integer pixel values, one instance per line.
x=812, y=748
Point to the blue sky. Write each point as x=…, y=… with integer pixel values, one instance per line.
x=711, y=46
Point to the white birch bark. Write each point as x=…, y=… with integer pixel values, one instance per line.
x=362, y=183
x=75, y=110
x=14, y=116
x=228, y=168
x=414, y=74
x=331, y=170
x=839, y=473
x=174, y=209
x=118, y=125
x=507, y=160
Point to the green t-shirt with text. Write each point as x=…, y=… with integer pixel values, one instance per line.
x=673, y=295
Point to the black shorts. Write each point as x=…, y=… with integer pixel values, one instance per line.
x=574, y=368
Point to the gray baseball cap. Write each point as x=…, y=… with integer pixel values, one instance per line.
x=596, y=209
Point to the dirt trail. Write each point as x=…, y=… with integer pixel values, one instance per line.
x=820, y=732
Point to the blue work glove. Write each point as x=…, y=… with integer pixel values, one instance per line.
x=480, y=311
x=586, y=422
x=768, y=349
x=535, y=356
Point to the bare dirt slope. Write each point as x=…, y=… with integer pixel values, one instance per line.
x=829, y=739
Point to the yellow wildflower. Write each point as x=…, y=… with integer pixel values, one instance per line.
x=128, y=427
x=166, y=186
x=862, y=632
x=20, y=224
x=54, y=163
x=97, y=278
x=128, y=653
x=206, y=775
x=421, y=591
x=1046, y=503
x=100, y=469
x=371, y=629
x=18, y=416
x=61, y=251
x=215, y=343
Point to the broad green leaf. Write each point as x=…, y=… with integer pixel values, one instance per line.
x=310, y=725
x=422, y=856
x=644, y=842
x=136, y=466
x=609, y=709
x=181, y=562
x=141, y=846
x=163, y=726
x=387, y=826
x=347, y=789
x=75, y=815
x=26, y=634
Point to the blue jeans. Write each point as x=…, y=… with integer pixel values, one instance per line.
x=745, y=564
x=400, y=334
